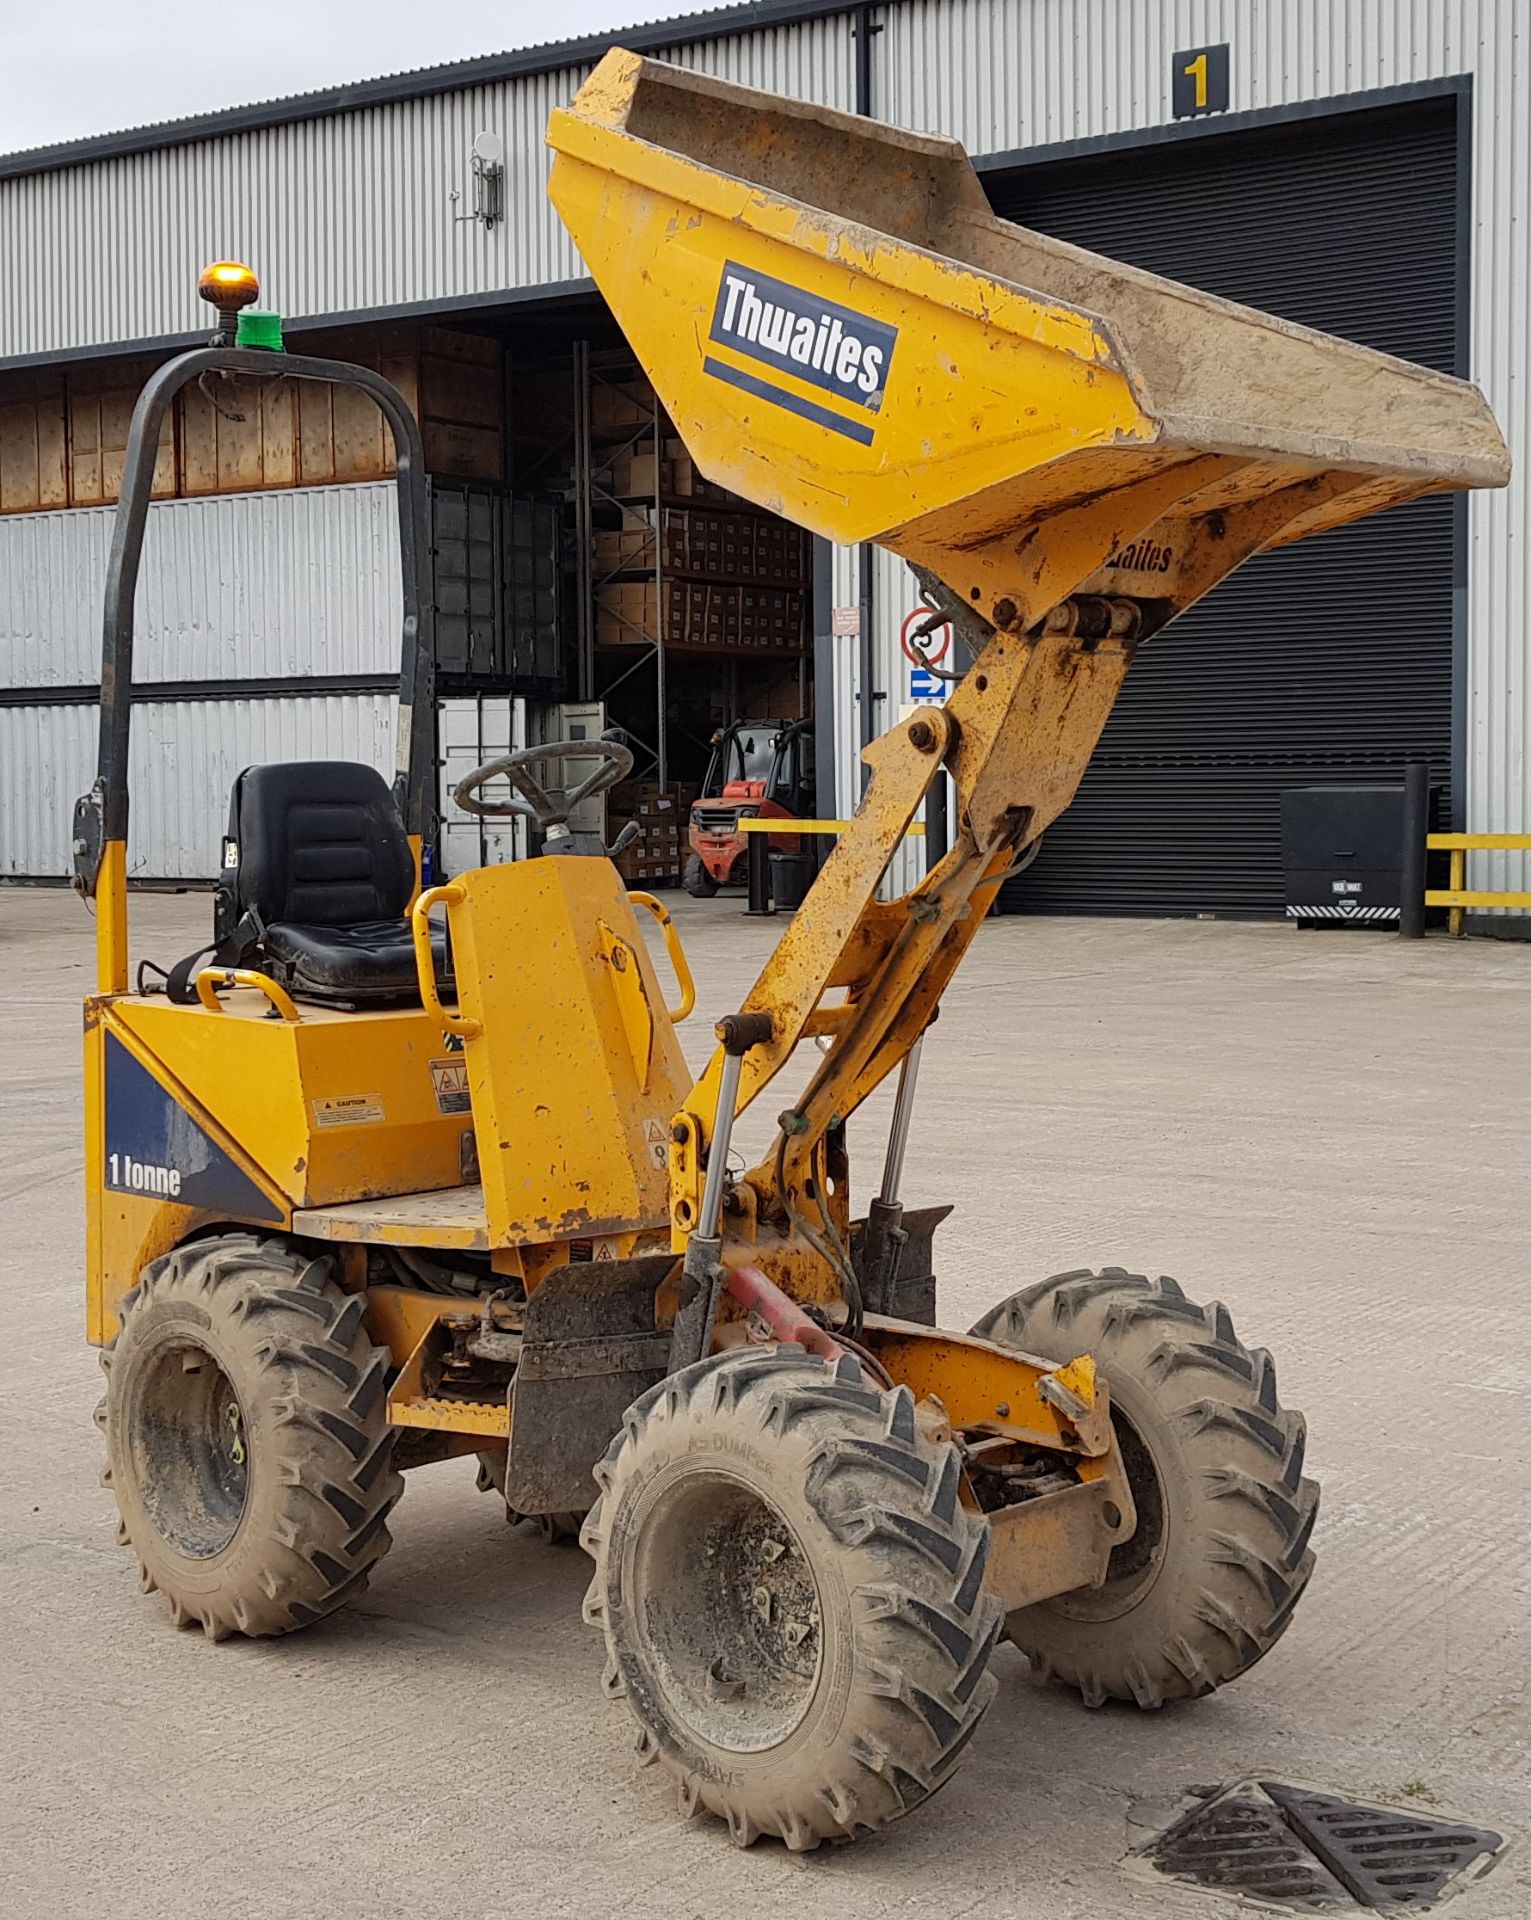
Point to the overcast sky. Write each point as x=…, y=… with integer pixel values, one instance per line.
x=95, y=66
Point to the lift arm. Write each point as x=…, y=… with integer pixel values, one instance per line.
x=844, y=333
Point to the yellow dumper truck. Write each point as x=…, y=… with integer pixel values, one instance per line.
x=362, y=1196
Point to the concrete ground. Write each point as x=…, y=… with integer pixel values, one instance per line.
x=1331, y=1133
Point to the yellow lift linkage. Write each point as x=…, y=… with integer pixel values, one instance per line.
x=843, y=332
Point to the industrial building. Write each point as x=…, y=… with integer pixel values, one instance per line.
x=1363, y=166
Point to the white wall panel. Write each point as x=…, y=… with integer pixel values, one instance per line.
x=335, y=214
x=47, y=760
x=845, y=691
x=895, y=593
x=185, y=756
x=813, y=61
x=248, y=586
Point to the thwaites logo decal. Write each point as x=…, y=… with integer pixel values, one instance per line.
x=789, y=331
x=1143, y=556
x=154, y=1147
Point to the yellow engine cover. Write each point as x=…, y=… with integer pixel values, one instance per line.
x=575, y=1070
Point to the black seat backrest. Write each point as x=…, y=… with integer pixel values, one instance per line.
x=314, y=843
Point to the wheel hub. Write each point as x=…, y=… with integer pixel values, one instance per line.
x=190, y=1451
x=728, y=1607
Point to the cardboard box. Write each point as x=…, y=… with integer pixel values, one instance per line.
x=625, y=548
x=697, y=614
x=637, y=865
x=632, y=797
x=628, y=611
x=634, y=473
x=744, y=549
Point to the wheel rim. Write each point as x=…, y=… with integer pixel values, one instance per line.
x=1134, y=1565
x=726, y=1611
x=190, y=1453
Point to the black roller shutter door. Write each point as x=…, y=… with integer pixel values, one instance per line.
x=1331, y=661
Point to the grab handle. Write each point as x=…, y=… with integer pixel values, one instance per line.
x=450, y=895
x=676, y=952
x=210, y=979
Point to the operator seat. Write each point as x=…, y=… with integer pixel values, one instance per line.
x=317, y=875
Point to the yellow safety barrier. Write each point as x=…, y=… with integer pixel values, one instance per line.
x=1458, y=896
x=754, y=824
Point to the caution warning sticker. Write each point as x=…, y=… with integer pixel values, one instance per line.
x=348, y=1109
x=450, y=1079
x=655, y=1133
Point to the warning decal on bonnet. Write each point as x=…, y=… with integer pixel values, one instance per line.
x=449, y=1078
x=348, y=1109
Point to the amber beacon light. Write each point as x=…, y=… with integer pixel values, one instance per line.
x=228, y=285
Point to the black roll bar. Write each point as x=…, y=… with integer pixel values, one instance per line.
x=103, y=814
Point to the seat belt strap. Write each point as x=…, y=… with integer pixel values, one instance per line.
x=229, y=952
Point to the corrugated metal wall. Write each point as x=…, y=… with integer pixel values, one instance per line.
x=186, y=754
x=842, y=696
x=354, y=211
x=893, y=594
x=338, y=214
x=278, y=586
x=249, y=586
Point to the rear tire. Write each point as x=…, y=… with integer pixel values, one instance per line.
x=1207, y=1584
x=247, y=1436
x=791, y=1595
x=698, y=881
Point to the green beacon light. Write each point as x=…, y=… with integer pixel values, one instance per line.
x=258, y=328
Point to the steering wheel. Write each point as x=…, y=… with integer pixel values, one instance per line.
x=548, y=808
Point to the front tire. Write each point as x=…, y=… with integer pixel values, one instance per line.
x=1207, y=1584
x=791, y=1595
x=247, y=1436
x=699, y=882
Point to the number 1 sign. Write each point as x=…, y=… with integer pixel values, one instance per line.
x=1199, y=81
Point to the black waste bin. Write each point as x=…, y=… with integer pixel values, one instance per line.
x=791, y=877
x=1342, y=854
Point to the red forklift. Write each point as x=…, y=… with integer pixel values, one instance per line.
x=758, y=767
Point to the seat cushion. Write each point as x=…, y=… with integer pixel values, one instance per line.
x=372, y=962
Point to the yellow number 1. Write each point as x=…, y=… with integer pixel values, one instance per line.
x=1197, y=71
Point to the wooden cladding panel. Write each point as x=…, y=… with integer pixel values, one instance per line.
x=98, y=408
x=34, y=446
x=237, y=439
x=63, y=433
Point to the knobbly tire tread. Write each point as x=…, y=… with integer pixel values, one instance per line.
x=1230, y=1460
x=879, y=1501
x=313, y=1391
